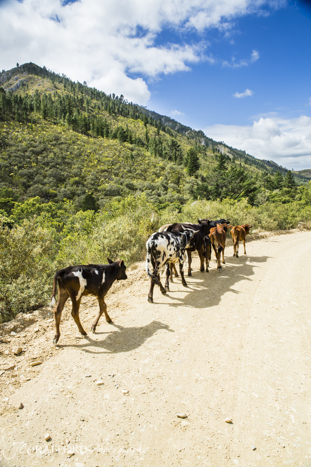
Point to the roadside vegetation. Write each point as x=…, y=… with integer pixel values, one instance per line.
x=84, y=176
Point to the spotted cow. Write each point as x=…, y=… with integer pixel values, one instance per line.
x=76, y=281
x=164, y=248
x=200, y=242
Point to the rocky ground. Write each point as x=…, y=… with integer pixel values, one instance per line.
x=215, y=374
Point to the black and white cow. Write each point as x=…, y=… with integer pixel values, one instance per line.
x=163, y=249
x=76, y=281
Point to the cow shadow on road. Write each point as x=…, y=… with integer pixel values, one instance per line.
x=206, y=289
x=123, y=339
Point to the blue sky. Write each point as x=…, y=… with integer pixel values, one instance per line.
x=240, y=70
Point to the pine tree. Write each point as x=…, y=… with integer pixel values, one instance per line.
x=278, y=180
x=289, y=181
x=193, y=163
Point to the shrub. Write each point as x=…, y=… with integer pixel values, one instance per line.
x=26, y=268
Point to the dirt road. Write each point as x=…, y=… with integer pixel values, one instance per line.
x=234, y=345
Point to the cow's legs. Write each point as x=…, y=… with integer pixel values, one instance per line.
x=150, y=294
x=75, y=314
x=173, y=271
x=207, y=255
x=167, y=278
x=234, y=248
x=62, y=298
x=237, y=249
x=102, y=309
x=217, y=253
x=244, y=247
x=152, y=284
x=189, y=263
x=223, y=255
x=181, y=270
x=201, y=256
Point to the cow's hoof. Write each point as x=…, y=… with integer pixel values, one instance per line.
x=219, y=269
x=93, y=329
x=167, y=289
x=83, y=333
x=55, y=340
x=207, y=270
x=150, y=299
x=185, y=284
x=202, y=270
x=164, y=291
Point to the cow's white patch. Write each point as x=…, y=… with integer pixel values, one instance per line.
x=104, y=277
x=96, y=272
x=82, y=281
x=52, y=302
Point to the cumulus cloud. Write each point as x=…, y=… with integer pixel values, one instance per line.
x=286, y=141
x=246, y=93
x=114, y=44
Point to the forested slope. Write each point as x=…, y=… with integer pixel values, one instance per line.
x=84, y=176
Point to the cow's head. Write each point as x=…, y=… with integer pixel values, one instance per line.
x=121, y=268
x=188, y=235
x=247, y=228
x=223, y=221
x=205, y=226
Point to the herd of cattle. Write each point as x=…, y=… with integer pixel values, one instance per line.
x=165, y=248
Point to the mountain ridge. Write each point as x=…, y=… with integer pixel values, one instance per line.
x=11, y=81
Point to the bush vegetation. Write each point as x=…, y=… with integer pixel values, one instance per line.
x=84, y=176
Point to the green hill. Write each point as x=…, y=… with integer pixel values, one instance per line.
x=85, y=176
x=63, y=140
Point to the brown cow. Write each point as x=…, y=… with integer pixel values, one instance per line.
x=76, y=281
x=217, y=237
x=238, y=233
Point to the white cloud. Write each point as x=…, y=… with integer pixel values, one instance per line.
x=176, y=113
x=254, y=56
x=246, y=93
x=285, y=141
x=113, y=43
x=243, y=62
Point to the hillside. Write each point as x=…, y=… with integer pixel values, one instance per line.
x=306, y=173
x=85, y=176
x=63, y=140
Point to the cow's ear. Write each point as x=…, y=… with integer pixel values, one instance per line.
x=199, y=221
x=121, y=263
x=109, y=261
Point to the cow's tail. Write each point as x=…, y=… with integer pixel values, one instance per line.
x=148, y=261
x=53, y=301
